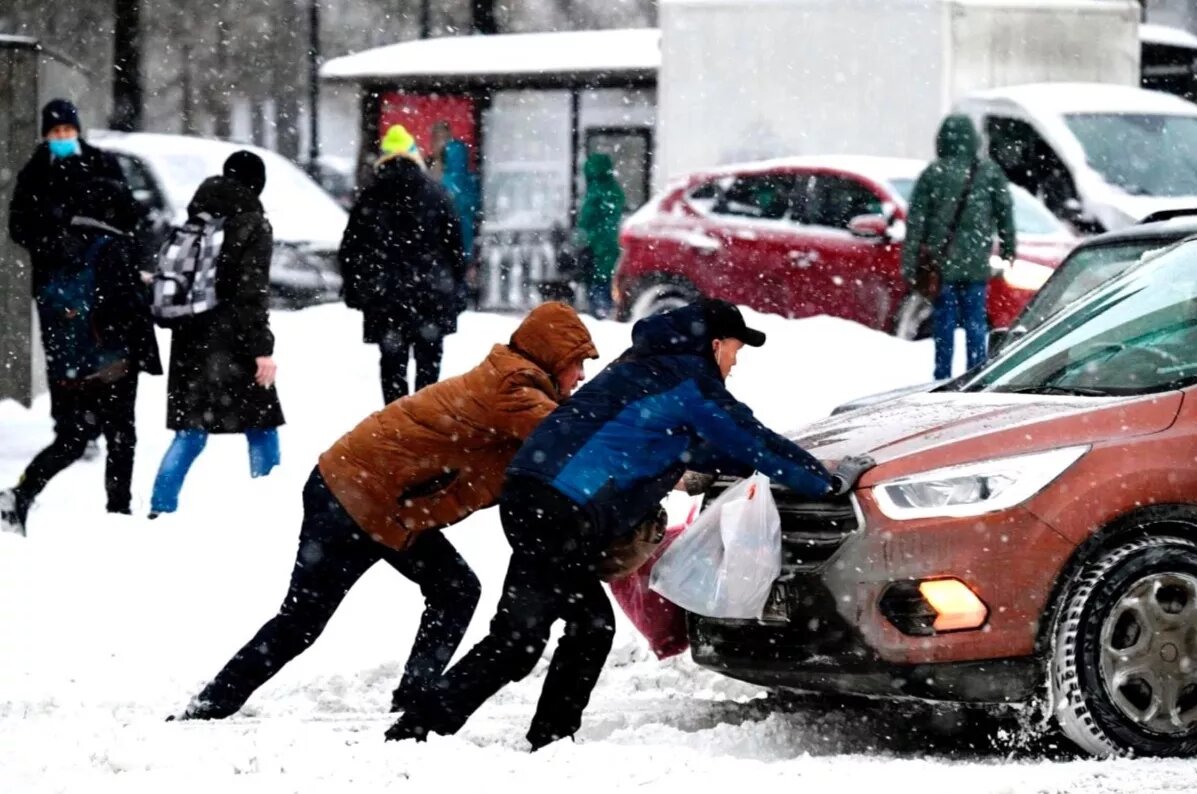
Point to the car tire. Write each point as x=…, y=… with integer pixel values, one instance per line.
x=1123, y=667
x=913, y=318
x=660, y=297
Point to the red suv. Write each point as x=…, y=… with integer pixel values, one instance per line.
x=1029, y=537
x=807, y=236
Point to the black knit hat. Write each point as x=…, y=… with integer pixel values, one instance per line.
x=59, y=111
x=248, y=169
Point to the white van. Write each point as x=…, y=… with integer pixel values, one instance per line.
x=1099, y=156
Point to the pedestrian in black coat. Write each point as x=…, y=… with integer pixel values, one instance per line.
x=96, y=330
x=403, y=266
x=221, y=361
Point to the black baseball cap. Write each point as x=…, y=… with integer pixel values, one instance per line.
x=724, y=321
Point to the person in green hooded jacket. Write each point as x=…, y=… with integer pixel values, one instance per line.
x=961, y=254
x=598, y=222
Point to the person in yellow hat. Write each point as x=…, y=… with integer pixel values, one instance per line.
x=403, y=265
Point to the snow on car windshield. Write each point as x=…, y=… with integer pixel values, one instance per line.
x=1030, y=216
x=1144, y=154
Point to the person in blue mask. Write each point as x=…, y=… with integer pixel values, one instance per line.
x=50, y=188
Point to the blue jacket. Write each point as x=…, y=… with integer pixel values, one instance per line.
x=462, y=187
x=619, y=445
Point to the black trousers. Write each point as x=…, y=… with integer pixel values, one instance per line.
x=395, y=349
x=80, y=413
x=333, y=554
x=552, y=576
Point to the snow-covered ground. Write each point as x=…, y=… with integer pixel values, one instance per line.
x=108, y=624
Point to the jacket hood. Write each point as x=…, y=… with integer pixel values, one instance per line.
x=599, y=166
x=456, y=157
x=401, y=171
x=681, y=332
x=552, y=336
x=223, y=197
x=958, y=138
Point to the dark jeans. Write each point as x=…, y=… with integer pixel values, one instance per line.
x=81, y=412
x=395, y=349
x=333, y=554
x=960, y=304
x=552, y=576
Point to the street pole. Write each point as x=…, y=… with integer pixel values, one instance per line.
x=313, y=85
x=425, y=19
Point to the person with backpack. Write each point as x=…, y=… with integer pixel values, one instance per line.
x=97, y=335
x=46, y=187
x=403, y=265
x=222, y=369
x=386, y=489
x=959, y=203
x=588, y=475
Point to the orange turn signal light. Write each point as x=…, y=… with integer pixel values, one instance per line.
x=956, y=606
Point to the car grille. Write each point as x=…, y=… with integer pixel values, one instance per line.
x=811, y=532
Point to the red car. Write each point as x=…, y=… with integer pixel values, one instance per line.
x=806, y=236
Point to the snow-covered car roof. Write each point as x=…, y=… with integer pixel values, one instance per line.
x=1049, y=99
x=880, y=169
x=1167, y=36
x=563, y=53
x=300, y=211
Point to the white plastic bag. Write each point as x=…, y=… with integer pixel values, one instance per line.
x=724, y=565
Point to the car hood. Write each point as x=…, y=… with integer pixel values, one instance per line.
x=1133, y=209
x=925, y=431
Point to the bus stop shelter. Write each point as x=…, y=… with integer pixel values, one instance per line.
x=30, y=75
x=531, y=107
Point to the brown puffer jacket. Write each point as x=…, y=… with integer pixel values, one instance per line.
x=431, y=459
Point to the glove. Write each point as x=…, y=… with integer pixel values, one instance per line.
x=849, y=472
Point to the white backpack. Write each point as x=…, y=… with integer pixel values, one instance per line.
x=185, y=282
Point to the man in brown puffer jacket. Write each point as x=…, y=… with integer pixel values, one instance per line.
x=386, y=487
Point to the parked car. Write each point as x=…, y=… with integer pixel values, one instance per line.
x=1094, y=262
x=1029, y=538
x=165, y=170
x=806, y=236
x=1100, y=156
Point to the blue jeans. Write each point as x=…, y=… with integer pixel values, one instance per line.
x=960, y=304
x=264, y=455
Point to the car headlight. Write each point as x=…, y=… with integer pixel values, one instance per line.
x=1024, y=275
x=972, y=489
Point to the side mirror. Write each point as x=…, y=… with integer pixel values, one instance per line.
x=869, y=227
x=997, y=338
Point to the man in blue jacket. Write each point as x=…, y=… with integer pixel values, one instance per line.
x=587, y=476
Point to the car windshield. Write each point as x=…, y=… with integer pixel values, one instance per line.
x=1136, y=335
x=1083, y=271
x=1144, y=154
x=1030, y=216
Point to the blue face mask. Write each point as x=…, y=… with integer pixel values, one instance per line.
x=61, y=148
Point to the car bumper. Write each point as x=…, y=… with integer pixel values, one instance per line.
x=826, y=629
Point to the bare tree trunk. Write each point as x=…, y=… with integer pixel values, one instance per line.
x=127, y=102
x=483, y=14
x=187, y=104
x=221, y=105
x=287, y=86
x=257, y=122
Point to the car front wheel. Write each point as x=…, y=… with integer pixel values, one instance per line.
x=1124, y=662
x=660, y=298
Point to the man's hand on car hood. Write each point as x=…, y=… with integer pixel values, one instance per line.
x=848, y=472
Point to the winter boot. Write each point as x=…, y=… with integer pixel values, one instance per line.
x=199, y=709
x=14, y=509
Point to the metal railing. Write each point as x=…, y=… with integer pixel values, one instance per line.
x=517, y=269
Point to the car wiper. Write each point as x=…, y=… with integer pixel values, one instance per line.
x=1074, y=391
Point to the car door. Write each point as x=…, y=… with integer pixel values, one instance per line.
x=847, y=275
x=157, y=216
x=752, y=231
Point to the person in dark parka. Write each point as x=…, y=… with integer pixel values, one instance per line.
x=403, y=265
x=221, y=362
x=587, y=476
x=97, y=334
x=959, y=183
